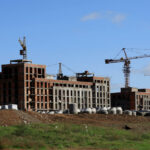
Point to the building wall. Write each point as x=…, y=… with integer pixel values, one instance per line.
x=121, y=100
x=26, y=85
x=58, y=94
x=132, y=100
x=62, y=97
x=142, y=101
x=31, y=71
x=101, y=93
x=12, y=87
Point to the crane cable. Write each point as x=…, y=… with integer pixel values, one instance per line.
x=138, y=50
x=118, y=54
x=68, y=68
x=133, y=50
x=63, y=66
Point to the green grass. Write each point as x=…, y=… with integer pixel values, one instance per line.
x=65, y=136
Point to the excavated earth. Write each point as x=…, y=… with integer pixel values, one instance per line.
x=16, y=117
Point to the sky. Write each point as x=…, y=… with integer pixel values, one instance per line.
x=80, y=34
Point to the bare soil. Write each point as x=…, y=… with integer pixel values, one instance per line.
x=16, y=117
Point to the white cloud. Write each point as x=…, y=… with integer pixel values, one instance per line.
x=145, y=70
x=108, y=15
x=118, y=18
x=92, y=16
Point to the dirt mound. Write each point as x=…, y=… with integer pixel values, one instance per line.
x=15, y=117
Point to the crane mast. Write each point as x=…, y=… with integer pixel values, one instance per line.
x=23, y=51
x=126, y=67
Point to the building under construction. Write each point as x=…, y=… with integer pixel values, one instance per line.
x=28, y=86
x=131, y=99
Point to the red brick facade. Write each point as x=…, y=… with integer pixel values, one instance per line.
x=26, y=84
x=131, y=99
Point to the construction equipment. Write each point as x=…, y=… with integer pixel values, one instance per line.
x=60, y=74
x=126, y=67
x=24, y=50
x=84, y=74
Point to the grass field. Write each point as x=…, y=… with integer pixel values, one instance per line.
x=71, y=136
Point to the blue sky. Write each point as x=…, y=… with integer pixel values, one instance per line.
x=80, y=34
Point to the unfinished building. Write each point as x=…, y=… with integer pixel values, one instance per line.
x=28, y=86
x=131, y=99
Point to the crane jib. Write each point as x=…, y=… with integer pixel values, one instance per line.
x=107, y=61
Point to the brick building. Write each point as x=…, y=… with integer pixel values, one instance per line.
x=131, y=99
x=27, y=85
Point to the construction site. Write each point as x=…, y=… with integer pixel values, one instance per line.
x=74, y=75
x=28, y=87
x=32, y=101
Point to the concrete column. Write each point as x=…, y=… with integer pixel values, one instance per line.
x=53, y=98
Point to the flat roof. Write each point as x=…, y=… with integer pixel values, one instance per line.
x=63, y=81
x=25, y=64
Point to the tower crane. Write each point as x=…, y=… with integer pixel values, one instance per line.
x=24, y=48
x=126, y=67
